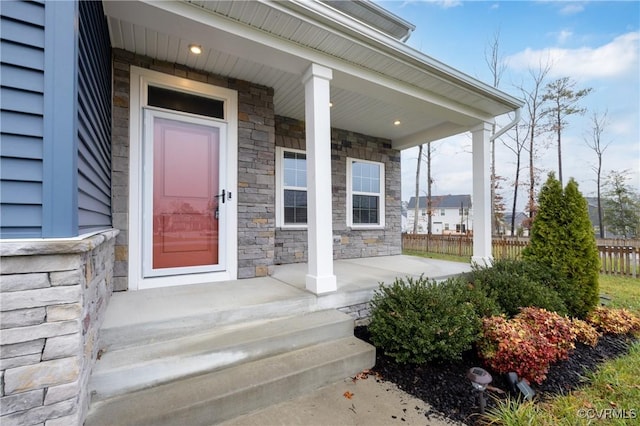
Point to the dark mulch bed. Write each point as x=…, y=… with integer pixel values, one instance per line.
x=445, y=387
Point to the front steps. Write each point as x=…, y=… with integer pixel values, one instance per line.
x=215, y=375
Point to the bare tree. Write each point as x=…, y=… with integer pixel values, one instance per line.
x=417, y=206
x=534, y=104
x=497, y=66
x=517, y=146
x=430, y=149
x=598, y=123
x=564, y=102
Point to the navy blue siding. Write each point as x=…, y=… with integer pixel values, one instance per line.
x=55, y=111
x=94, y=119
x=22, y=39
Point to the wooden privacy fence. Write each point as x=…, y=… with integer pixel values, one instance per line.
x=617, y=257
x=620, y=260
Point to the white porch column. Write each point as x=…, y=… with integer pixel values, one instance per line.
x=320, y=277
x=481, y=195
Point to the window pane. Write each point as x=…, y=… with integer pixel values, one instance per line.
x=357, y=183
x=295, y=169
x=295, y=207
x=365, y=177
x=289, y=177
x=365, y=209
x=185, y=102
x=301, y=177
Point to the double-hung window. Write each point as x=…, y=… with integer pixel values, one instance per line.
x=365, y=194
x=291, y=210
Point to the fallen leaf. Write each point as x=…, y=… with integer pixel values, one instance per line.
x=363, y=375
x=609, y=387
x=348, y=395
x=613, y=404
x=587, y=404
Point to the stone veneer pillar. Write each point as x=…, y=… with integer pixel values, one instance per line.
x=53, y=297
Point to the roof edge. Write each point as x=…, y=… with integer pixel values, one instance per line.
x=346, y=25
x=405, y=28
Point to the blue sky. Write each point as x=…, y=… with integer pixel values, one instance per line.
x=596, y=43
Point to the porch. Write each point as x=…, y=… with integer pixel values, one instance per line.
x=203, y=354
x=217, y=304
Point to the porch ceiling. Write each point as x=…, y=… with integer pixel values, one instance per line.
x=376, y=79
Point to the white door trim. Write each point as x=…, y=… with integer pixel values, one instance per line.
x=140, y=80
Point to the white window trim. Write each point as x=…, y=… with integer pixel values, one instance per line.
x=350, y=193
x=280, y=188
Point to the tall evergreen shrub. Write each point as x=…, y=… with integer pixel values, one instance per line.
x=562, y=238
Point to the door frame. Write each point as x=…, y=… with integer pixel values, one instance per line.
x=141, y=78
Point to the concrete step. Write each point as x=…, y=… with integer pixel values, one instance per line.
x=220, y=395
x=143, y=366
x=148, y=316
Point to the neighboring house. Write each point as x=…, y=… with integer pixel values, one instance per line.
x=519, y=225
x=130, y=161
x=450, y=214
x=592, y=205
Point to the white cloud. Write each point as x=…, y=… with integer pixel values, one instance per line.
x=572, y=8
x=563, y=36
x=446, y=4
x=614, y=59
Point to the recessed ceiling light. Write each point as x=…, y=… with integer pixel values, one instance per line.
x=330, y=104
x=195, y=49
x=396, y=123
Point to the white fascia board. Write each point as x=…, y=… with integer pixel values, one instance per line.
x=123, y=10
x=399, y=51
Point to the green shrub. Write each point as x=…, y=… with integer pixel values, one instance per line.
x=418, y=320
x=562, y=239
x=515, y=284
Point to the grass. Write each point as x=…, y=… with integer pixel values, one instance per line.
x=624, y=291
x=612, y=393
x=438, y=256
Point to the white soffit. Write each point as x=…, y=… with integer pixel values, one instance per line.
x=269, y=44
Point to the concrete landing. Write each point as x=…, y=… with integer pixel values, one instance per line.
x=356, y=278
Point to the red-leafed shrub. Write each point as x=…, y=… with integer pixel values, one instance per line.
x=557, y=329
x=584, y=332
x=526, y=344
x=614, y=321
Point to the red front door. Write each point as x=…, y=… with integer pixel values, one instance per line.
x=185, y=210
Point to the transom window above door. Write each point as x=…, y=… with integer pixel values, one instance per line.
x=184, y=102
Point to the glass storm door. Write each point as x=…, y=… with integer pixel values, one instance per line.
x=183, y=206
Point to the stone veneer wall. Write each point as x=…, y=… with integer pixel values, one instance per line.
x=291, y=245
x=54, y=296
x=361, y=313
x=256, y=163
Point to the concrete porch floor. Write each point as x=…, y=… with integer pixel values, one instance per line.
x=356, y=278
